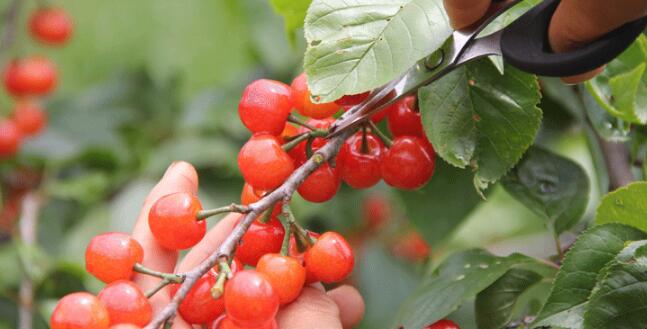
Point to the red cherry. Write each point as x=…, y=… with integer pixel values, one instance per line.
x=409, y=163
x=288, y=131
x=250, y=300
x=303, y=103
x=265, y=106
x=79, y=310
x=30, y=76
x=111, y=256
x=29, y=117
x=298, y=153
x=443, y=324
x=260, y=239
x=235, y=266
x=51, y=25
x=172, y=220
x=404, y=120
x=352, y=100
x=321, y=185
x=359, y=160
x=330, y=259
x=249, y=195
x=126, y=303
x=286, y=274
x=125, y=326
x=412, y=247
x=10, y=138
x=298, y=255
x=376, y=211
x=225, y=323
x=199, y=306
x=263, y=163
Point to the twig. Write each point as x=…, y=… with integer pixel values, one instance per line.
x=28, y=230
x=618, y=162
x=204, y=214
x=292, y=118
x=11, y=21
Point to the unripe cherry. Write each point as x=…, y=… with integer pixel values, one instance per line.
x=321, y=185
x=404, y=119
x=443, y=324
x=264, y=106
x=30, y=76
x=51, y=25
x=29, y=117
x=126, y=303
x=10, y=138
x=111, y=256
x=79, y=310
x=263, y=163
x=172, y=220
x=330, y=259
x=409, y=163
x=359, y=160
x=250, y=300
x=303, y=103
x=286, y=274
x=260, y=239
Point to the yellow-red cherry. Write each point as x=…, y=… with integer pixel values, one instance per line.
x=409, y=163
x=126, y=303
x=359, y=160
x=172, y=220
x=260, y=239
x=111, y=256
x=30, y=76
x=29, y=117
x=443, y=324
x=286, y=274
x=51, y=25
x=321, y=185
x=330, y=259
x=79, y=310
x=301, y=100
x=264, y=106
x=250, y=300
x=10, y=138
x=263, y=163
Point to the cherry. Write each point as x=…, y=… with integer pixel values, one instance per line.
x=199, y=306
x=10, y=138
x=235, y=266
x=250, y=300
x=172, y=220
x=301, y=100
x=111, y=256
x=288, y=131
x=359, y=160
x=411, y=246
x=404, y=119
x=249, y=195
x=299, y=152
x=352, y=100
x=263, y=163
x=286, y=274
x=409, y=163
x=125, y=326
x=51, y=25
x=330, y=259
x=443, y=324
x=260, y=239
x=225, y=323
x=79, y=310
x=321, y=185
x=30, y=76
x=265, y=106
x=298, y=255
x=126, y=303
x=29, y=118
x=376, y=211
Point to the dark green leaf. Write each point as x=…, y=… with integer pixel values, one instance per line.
x=293, y=12
x=357, y=46
x=579, y=272
x=553, y=187
x=625, y=205
x=476, y=117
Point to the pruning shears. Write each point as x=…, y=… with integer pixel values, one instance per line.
x=522, y=44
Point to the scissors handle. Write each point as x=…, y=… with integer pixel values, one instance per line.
x=524, y=44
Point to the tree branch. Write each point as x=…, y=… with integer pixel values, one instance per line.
x=618, y=162
x=28, y=231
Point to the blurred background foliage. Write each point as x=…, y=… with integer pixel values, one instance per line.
x=144, y=83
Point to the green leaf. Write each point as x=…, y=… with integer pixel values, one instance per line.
x=622, y=88
x=495, y=305
x=458, y=278
x=579, y=272
x=293, y=12
x=553, y=187
x=476, y=117
x=606, y=126
x=625, y=205
x=355, y=46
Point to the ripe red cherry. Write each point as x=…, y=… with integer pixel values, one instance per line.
x=376, y=211
x=359, y=160
x=29, y=118
x=30, y=76
x=286, y=274
x=265, y=106
x=296, y=254
x=409, y=163
x=330, y=259
x=79, y=310
x=199, y=306
x=302, y=102
x=51, y=25
x=111, y=256
x=352, y=100
x=172, y=220
x=126, y=303
x=404, y=120
x=412, y=247
x=321, y=185
x=249, y=195
x=298, y=153
x=260, y=239
x=263, y=163
x=250, y=300
x=125, y=326
x=443, y=324
x=10, y=138
x=225, y=323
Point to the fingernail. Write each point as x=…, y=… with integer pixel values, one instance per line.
x=168, y=170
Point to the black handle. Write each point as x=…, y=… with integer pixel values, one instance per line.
x=524, y=44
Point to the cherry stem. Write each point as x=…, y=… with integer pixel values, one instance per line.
x=157, y=288
x=224, y=273
x=365, y=148
x=204, y=214
x=303, y=239
x=287, y=219
x=374, y=128
x=171, y=277
x=267, y=215
x=294, y=119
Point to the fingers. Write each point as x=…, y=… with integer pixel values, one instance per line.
x=179, y=177
x=350, y=303
x=314, y=309
x=463, y=13
x=579, y=22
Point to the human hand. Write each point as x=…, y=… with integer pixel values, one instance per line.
x=574, y=24
x=342, y=307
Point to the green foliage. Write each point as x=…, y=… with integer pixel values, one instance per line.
x=476, y=117
x=555, y=188
x=625, y=205
x=357, y=46
x=293, y=12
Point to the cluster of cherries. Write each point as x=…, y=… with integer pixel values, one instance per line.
x=30, y=77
